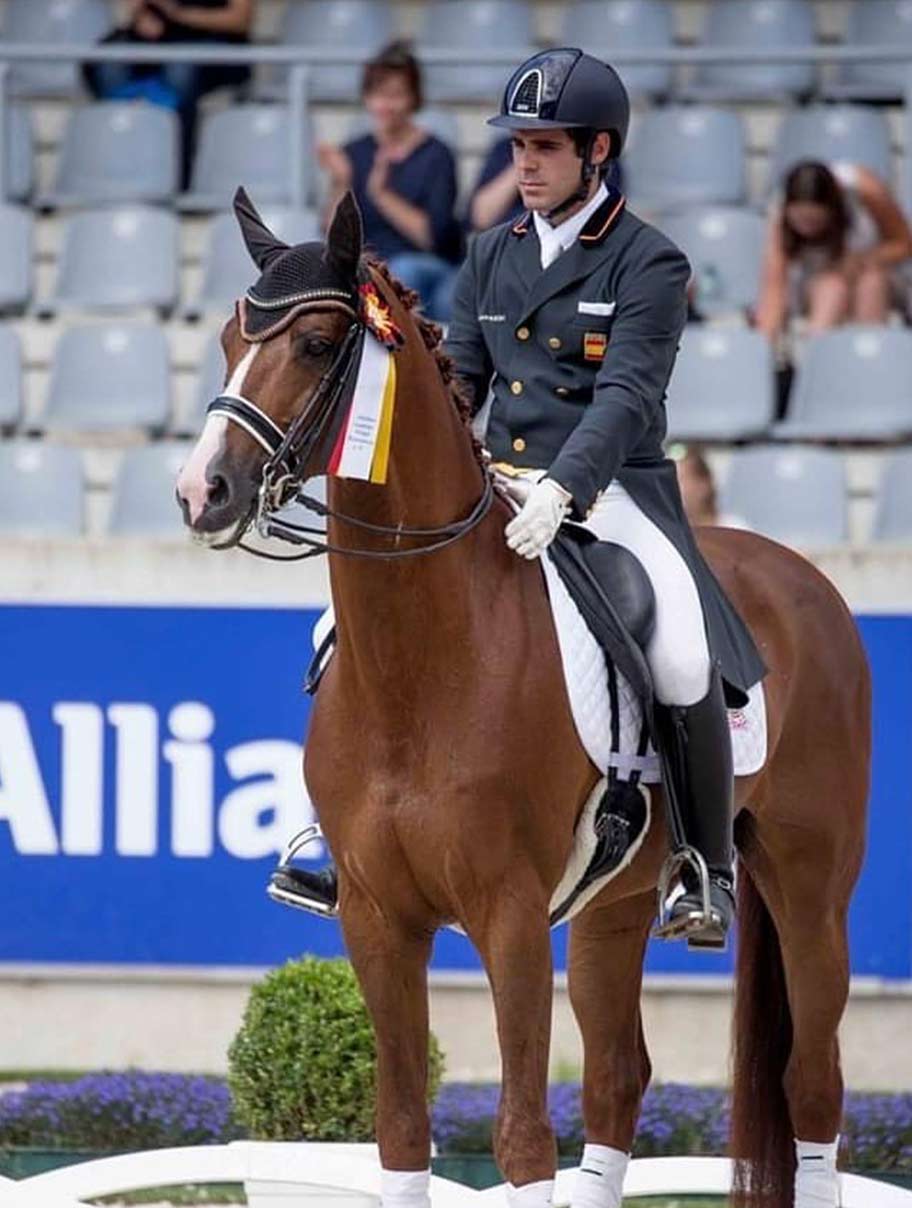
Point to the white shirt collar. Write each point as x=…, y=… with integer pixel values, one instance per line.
x=556, y=239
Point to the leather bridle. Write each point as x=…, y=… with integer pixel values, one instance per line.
x=288, y=451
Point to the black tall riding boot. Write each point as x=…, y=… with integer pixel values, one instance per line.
x=696, y=743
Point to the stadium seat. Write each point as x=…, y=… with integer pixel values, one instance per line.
x=10, y=377
x=41, y=490
x=795, y=495
x=143, y=502
x=724, y=245
x=117, y=151
x=721, y=388
x=604, y=26
x=118, y=258
x=16, y=228
x=18, y=162
x=109, y=378
x=249, y=145
x=853, y=383
x=685, y=155
x=854, y=134
x=64, y=22
x=875, y=23
x=466, y=26
x=350, y=25
x=227, y=267
x=209, y=383
x=755, y=25
x=893, y=501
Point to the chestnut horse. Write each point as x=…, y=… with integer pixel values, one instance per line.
x=447, y=773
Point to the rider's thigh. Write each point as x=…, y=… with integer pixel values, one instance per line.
x=678, y=652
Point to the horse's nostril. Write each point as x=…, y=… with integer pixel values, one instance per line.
x=219, y=491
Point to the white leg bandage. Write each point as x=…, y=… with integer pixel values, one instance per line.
x=531, y=1195
x=405, y=1188
x=600, y=1181
x=816, y=1180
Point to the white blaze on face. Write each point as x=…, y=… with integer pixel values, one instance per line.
x=192, y=484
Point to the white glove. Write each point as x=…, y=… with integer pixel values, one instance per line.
x=531, y=532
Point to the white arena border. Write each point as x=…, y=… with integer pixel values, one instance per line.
x=349, y=1176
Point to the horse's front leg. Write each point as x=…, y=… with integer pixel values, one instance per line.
x=515, y=944
x=390, y=959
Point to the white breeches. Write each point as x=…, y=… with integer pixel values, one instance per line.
x=678, y=652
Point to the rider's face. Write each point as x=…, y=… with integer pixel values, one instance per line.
x=548, y=166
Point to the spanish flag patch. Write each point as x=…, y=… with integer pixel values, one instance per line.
x=594, y=345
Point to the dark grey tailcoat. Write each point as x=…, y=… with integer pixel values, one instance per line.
x=578, y=356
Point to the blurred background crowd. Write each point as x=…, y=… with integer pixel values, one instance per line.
x=785, y=183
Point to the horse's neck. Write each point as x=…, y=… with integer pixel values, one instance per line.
x=383, y=605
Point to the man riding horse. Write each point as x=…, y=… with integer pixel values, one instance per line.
x=570, y=318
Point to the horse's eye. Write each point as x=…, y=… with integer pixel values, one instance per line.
x=314, y=346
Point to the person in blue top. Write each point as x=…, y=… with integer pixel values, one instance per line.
x=404, y=180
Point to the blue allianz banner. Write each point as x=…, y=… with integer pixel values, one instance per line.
x=150, y=772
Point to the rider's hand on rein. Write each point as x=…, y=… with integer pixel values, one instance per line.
x=531, y=532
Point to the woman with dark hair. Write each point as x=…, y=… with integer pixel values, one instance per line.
x=404, y=180
x=834, y=242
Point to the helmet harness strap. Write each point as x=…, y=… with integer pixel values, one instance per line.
x=581, y=192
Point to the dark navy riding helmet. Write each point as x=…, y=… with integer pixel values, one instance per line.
x=566, y=88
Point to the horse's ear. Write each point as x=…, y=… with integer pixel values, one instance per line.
x=345, y=237
x=262, y=245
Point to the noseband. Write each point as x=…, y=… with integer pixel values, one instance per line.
x=288, y=451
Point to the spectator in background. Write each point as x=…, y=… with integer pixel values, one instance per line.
x=834, y=244
x=404, y=180
x=495, y=198
x=698, y=488
x=177, y=86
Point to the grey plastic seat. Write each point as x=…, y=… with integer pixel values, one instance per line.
x=41, y=490
x=795, y=495
x=16, y=229
x=111, y=259
x=209, y=384
x=875, y=23
x=854, y=383
x=117, y=151
x=604, y=26
x=61, y=22
x=351, y=25
x=686, y=155
x=18, y=158
x=109, y=378
x=832, y=133
x=10, y=377
x=143, y=502
x=893, y=502
x=724, y=245
x=245, y=144
x=721, y=387
x=755, y=25
x=227, y=267
x=466, y=26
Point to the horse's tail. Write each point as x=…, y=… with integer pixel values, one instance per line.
x=762, y=1143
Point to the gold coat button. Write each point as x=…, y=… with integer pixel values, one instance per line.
x=516, y=387
x=562, y=391
x=522, y=333
x=519, y=444
x=554, y=342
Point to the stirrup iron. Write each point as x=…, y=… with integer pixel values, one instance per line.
x=666, y=927
x=310, y=834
